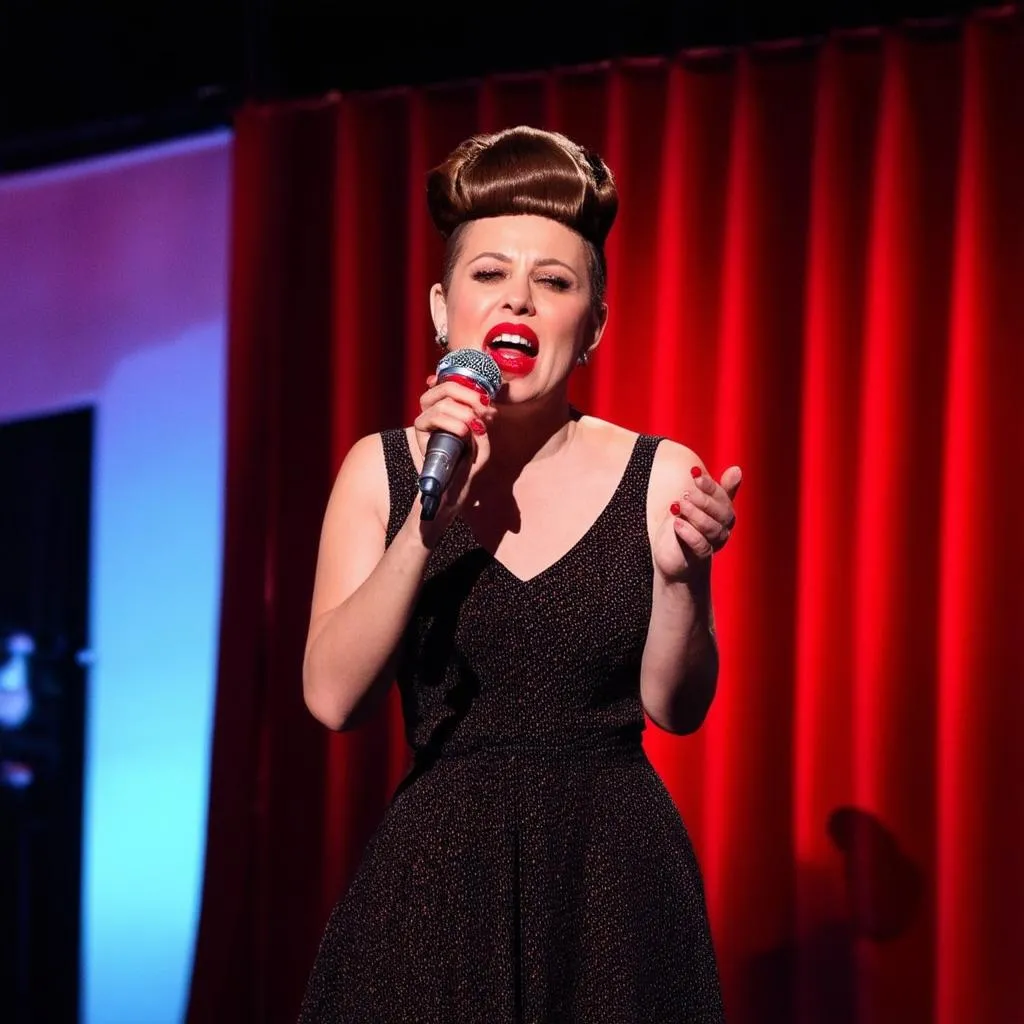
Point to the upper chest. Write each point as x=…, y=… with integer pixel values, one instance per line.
x=542, y=516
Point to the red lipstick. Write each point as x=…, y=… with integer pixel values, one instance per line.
x=514, y=348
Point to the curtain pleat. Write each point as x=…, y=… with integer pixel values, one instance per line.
x=978, y=888
x=816, y=273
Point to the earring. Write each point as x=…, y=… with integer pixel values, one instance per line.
x=442, y=340
x=583, y=359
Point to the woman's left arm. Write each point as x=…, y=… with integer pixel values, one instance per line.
x=691, y=517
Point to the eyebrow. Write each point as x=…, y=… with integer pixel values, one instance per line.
x=548, y=261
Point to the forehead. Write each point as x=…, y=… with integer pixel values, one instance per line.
x=524, y=235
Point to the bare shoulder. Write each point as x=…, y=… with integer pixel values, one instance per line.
x=673, y=461
x=671, y=472
x=353, y=530
x=609, y=440
x=361, y=484
x=671, y=457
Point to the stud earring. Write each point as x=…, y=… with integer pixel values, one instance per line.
x=583, y=359
x=442, y=340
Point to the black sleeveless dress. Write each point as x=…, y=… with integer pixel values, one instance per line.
x=531, y=867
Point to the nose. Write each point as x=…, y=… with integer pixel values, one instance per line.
x=518, y=299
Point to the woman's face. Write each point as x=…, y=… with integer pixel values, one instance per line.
x=520, y=291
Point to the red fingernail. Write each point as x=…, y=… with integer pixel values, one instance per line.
x=477, y=427
x=485, y=399
x=695, y=472
x=674, y=508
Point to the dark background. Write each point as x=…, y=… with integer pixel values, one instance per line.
x=45, y=514
x=96, y=76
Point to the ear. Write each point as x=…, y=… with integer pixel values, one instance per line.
x=438, y=308
x=601, y=321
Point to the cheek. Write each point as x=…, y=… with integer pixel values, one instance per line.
x=469, y=310
x=578, y=328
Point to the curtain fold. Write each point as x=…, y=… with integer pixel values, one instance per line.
x=979, y=885
x=816, y=273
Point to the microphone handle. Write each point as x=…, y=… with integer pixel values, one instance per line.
x=443, y=453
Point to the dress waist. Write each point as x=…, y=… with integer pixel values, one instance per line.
x=617, y=747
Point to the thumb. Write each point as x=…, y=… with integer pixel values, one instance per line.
x=731, y=480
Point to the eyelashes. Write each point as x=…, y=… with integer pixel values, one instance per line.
x=560, y=284
x=553, y=281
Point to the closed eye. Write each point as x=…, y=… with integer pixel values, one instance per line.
x=555, y=281
x=560, y=284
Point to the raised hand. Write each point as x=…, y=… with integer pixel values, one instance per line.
x=698, y=524
x=462, y=411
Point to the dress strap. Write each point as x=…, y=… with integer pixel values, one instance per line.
x=637, y=477
x=622, y=524
x=401, y=472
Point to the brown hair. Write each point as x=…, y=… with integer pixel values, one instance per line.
x=525, y=170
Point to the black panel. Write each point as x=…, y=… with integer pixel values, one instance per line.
x=45, y=469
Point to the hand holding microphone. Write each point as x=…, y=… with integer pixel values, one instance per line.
x=455, y=409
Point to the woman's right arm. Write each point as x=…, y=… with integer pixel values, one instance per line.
x=365, y=591
x=363, y=594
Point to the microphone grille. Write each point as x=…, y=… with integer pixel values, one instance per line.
x=479, y=364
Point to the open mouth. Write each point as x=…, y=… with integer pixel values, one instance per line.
x=514, y=342
x=514, y=347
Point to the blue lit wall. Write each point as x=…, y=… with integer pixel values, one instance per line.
x=157, y=531
x=113, y=292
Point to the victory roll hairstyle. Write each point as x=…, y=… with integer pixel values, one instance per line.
x=524, y=170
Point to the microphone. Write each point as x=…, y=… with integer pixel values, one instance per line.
x=480, y=372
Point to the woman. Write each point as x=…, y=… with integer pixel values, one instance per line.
x=532, y=866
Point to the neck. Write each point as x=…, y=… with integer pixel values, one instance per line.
x=529, y=433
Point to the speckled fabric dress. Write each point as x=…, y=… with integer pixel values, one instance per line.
x=532, y=866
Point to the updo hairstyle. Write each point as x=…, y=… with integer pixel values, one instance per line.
x=525, y=170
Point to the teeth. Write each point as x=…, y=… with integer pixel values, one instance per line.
x=513, y=339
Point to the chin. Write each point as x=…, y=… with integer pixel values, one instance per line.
x=521, y=392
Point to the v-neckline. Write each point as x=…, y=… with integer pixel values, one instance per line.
x=467, y=530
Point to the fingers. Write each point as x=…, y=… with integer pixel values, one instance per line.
x=464, y=412
x=712, y=498
x=455, y=408
x=451, y=389
x=731, y=480
x=452, y=418
x=705, y=517
x=711, y=529
x=692, y=537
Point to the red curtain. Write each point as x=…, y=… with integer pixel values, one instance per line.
x=818, y=273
